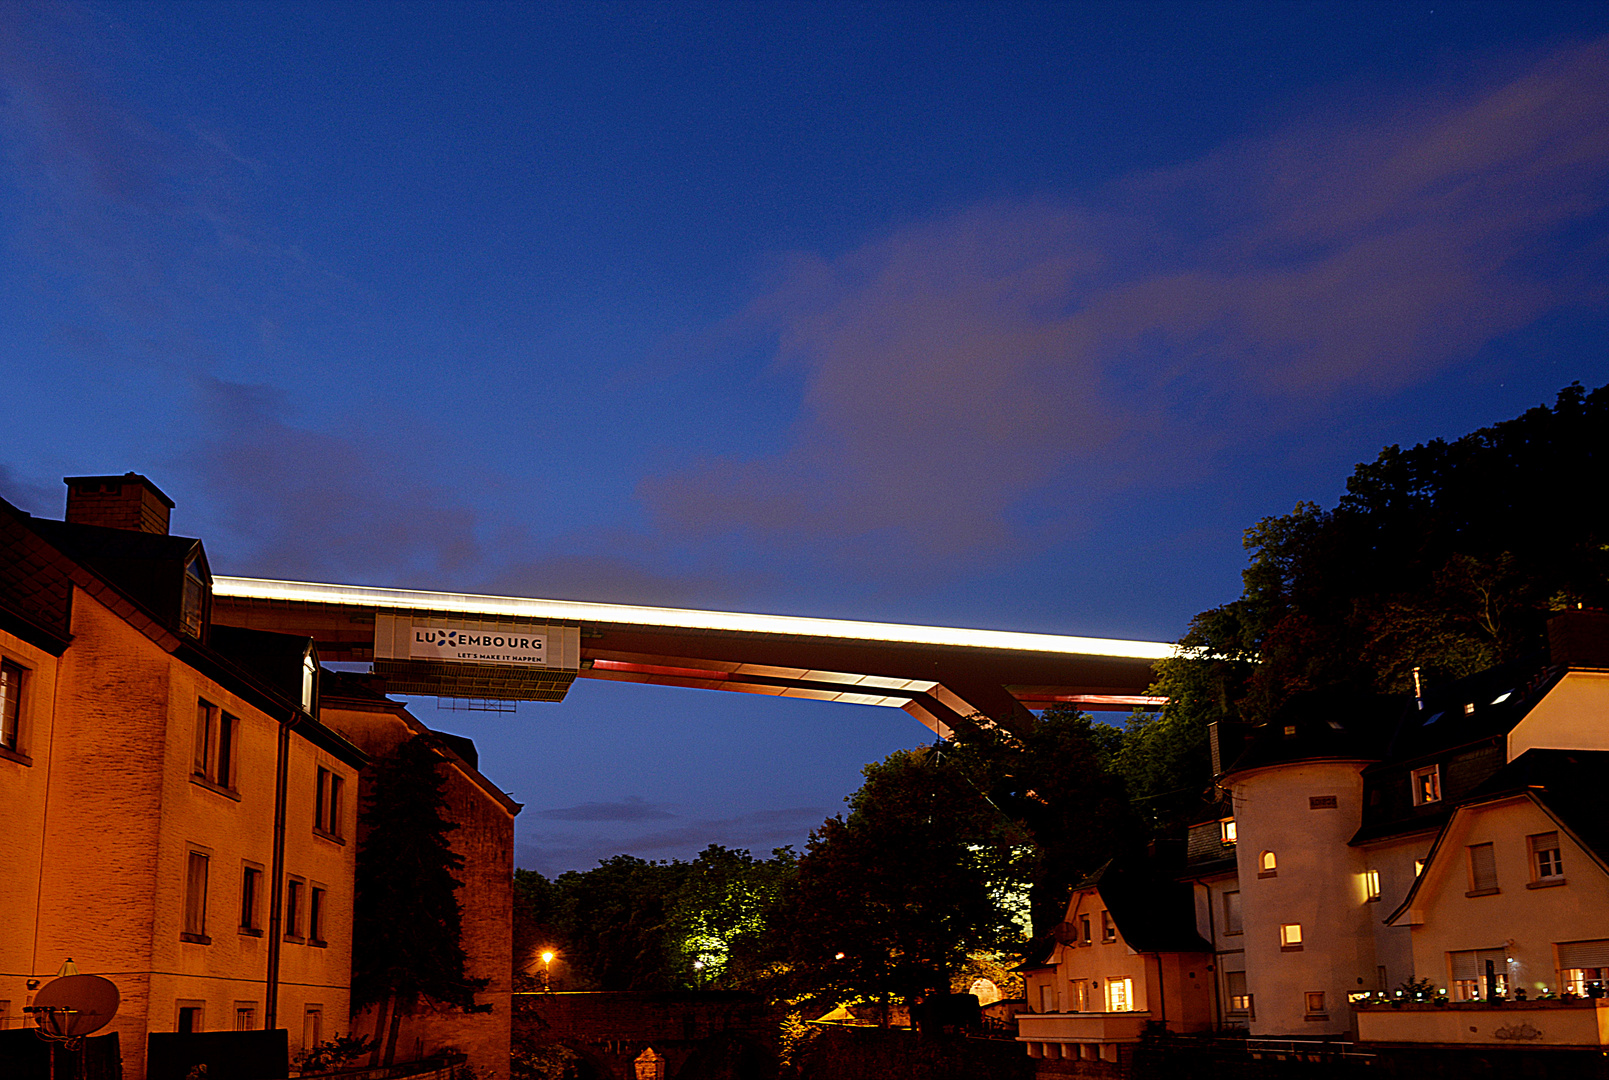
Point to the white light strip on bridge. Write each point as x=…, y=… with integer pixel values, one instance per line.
x=681, y=618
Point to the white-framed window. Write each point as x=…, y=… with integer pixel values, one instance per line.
x=1482, y=870
x=1226, y=830
x=1120, y=994
x=1267, y=864
x=1290, y=935
x=195, y=898
x=1232, y=917
x=1427, y=785
x=1546, y=865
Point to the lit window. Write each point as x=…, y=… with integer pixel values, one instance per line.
x=1474, y=969
x=10, y=705
x=1469, y=708
x=195, y=899
x=1120, y=995
x=1371, y=885
x=1315, y=1002
x=1267, y=865
x=1235, y=989
x=1418, y=867
x=1545, y=861
x=1232, y=924
x=327, y=804
x=1290, y=935
x=1108, y=927
x=1426, y=785
x=1228, y=830
x=1482, y=870
x=1584, y=967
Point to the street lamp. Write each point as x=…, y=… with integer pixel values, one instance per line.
x=547, y=963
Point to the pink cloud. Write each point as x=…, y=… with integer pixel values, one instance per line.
x=969, y=373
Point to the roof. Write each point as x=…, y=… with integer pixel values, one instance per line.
x=1567, y=784
x=1318, y=726
x=1153, y=911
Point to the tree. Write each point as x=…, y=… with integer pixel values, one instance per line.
x=889, y=901
x=716, y=925
x=1446, y=558
x=407, y=950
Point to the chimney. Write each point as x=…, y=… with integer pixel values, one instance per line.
x=129, y=501
x=1579, y=639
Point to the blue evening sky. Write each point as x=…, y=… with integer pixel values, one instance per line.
x=976, y=314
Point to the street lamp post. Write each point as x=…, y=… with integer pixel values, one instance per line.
x=547, y=964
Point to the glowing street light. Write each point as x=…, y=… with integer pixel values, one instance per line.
x=547, y=964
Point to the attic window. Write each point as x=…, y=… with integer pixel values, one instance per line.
x=194, y=592
x=1469, y=708
x=1427, y=785
x=1290, y=731
x=1227, y=830
x=1504, y=696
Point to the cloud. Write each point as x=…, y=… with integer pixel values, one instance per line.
x=969, y=378
x=553, y=853
x=296, y=502
x=632, y=808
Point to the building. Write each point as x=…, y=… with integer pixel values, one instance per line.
x=1126, y=958
x=183, y=798
x=179, y=820
x=484, y=815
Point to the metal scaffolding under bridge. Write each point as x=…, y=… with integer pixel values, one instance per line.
x=458, y=645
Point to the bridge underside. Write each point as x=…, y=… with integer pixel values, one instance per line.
x=942, y=677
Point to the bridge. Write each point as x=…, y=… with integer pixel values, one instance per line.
x=461, y=645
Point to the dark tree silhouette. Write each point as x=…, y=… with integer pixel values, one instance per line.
x=407, y=951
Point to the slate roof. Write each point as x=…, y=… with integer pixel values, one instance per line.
x=1153, y=911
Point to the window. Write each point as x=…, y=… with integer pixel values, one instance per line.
x=309, y=681
x=1371, y=885
x=251, y=900
x=190, y=1017
x=1474, y=969
x=216, y=735
x=10, y=706
x=315, y=915
x=1047, y=998
x=1290, y=936
x=1267, y=865
x=1418, y=867
x=1227, y=830
x=1583, y=966
x=312, y=1026
x=1315, y=1005
x=1426, y=785
x=1482, y=870
x=195, y=899
x=1119, y=995
x=1080, y=1002
x=1108, y=927
x=1235, y=990
x=1546, y=866
x=1232, y=924
x=195, y=590
x=245, y=1016
x=294, y=888
x=1083, y=926
x=327, y=808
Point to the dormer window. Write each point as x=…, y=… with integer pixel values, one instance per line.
x=195, y=591
x=1427, y=785
x=1227, y=830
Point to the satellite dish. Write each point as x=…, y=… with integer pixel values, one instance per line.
x=75, y=1005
